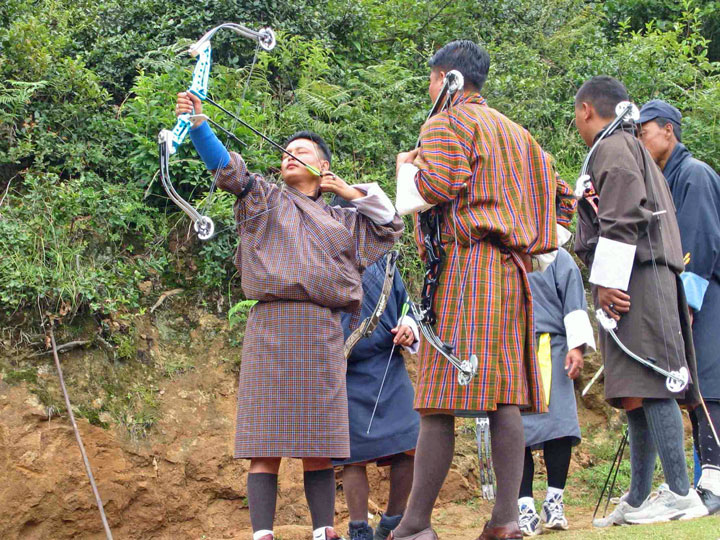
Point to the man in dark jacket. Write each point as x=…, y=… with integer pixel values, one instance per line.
x=695, y=189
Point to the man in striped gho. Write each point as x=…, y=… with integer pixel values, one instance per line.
x=494, y=187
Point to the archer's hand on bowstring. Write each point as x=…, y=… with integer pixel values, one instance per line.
x=189, y=103
x=403, y=335
x=332, y=183
x=614, y=302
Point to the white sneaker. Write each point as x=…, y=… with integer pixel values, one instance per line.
x=669, y=506
x=617, y=516
x=553, y=513
x=529, y=520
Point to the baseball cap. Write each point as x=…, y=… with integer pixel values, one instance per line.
x=657, y=108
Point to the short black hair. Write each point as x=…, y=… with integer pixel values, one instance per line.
x=314, y=137
x=465, y=56
x=603, y=93
x=662, y=122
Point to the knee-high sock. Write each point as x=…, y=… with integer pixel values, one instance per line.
x=557, y=453
x=528, y=474
x=665, y=422
x=642, y=457
x=435, y=448
x=357, y=490
x=320, y=495
x=507, y=436
x=401, y=479
x=262, y=496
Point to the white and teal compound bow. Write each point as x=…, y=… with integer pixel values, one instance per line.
x=170, y=140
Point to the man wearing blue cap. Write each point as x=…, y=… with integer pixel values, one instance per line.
x=695, y=189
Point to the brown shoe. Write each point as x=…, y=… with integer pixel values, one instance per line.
x=425, y=534
x=268, y=537
x=330, y=534
x=505, y=532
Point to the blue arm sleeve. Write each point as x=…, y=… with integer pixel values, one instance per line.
x=211, y=150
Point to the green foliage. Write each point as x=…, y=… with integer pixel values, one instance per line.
x=88, y=85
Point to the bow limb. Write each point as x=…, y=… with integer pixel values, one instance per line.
x=367, y=326
x=675, y=381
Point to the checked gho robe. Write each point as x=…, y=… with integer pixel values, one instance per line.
x=632, y=243
x=301, y=260
x=497, y=191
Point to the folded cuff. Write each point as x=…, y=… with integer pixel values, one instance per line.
x=612, y=264
x=578, y=330
x=412, y=349
x=376, y=205
x=408, y=198
x=695, y=288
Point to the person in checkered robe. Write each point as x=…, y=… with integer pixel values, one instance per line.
x=301, y=259
x=496, y=189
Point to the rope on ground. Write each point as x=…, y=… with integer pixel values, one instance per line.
x=77, y=436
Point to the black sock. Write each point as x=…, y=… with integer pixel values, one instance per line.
x=709, y=450
x=356, y=489
x=320, y=495
x=435, y=448
x=506, y=429
x=401, y=479
x=665, y=422
x=642, y=457
x=526, y=486
x=557, y=454
x=262, y=496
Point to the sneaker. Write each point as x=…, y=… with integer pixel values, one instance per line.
x=669, y=506
x=617, y=516
x=710, y=500
x=553, y=514
x=360, y=530
x=529, y=520
x=386, y=526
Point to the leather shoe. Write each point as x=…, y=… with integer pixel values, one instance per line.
x=504, y=532
x=425, y=534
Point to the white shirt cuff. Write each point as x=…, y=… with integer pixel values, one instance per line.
x=412, y=349
x=563, y=235
x=612, y=264
x=408, y=199
x=376, y=205
x=578, y=330
x=541, y=262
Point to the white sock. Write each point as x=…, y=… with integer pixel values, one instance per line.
x=319, y=533
x=710, y=479
x=551, y=492
x=263, y=532
x=528, y=501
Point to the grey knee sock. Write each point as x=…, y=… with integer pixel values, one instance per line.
x=508, y=453
x=320, y=495
x=435, y=448
x=665, y=422
x=262, y=495
x=401, y=479
x=642, y=457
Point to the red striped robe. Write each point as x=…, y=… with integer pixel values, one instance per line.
x=497, y=189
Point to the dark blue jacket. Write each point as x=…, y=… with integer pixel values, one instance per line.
x=695, y=188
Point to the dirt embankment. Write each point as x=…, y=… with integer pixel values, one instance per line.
x=179, y=481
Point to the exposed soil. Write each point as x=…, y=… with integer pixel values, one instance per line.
x=180, y=481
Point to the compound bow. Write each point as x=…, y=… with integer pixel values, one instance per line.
x=170, y=140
